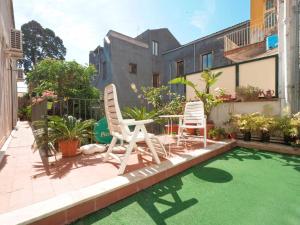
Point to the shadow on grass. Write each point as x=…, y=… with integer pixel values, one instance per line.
x=242, y=154
x=160, y=202
x=214, y=175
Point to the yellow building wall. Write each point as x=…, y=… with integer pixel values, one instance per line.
x=257, y=12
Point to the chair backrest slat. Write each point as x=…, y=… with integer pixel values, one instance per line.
x=194, y=113
x=112, y=110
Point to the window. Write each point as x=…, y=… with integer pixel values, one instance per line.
x=270, y=20
x=104, y=71
x=270, y=4
x=133, y=68
x=180, y=68
x=154, y=48
x=155, y=80
x=207, y=61
x=20, y=74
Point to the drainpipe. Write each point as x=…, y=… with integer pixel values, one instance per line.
x=170, y=78
x=297, y=60
x=194, y=57
x=11, y=93
x=283, y=67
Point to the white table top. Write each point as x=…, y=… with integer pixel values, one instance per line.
x=171, y=116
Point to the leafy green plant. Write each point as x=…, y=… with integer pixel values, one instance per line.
x=244, y=122
x=25, y=112
x=155, y=96
x=295, y=125
x=248, y=93
x=283, y=124
x=217, y=133
x=264, y=124
x=62, y=78
x=163, y=100
x=69, y=128
x=138, y=113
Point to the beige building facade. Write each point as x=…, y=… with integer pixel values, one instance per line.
x=8, y=74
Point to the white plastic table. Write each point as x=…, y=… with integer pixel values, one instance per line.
x=170, y=124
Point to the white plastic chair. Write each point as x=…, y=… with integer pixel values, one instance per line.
x=193, y=117
x=119, y=129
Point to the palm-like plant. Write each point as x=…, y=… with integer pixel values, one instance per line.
x=69, y=128
x=138, y=113
x=209, y=78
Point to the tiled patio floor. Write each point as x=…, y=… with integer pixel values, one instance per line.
x=24, y=179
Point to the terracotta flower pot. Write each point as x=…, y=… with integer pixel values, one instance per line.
x=209, y=126
x=190, y=131
x=68, y=147
x=172, y=130
x=232, y=135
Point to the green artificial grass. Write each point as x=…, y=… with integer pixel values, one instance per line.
x=241, y=187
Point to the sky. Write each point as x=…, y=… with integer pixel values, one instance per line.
x=83, y=24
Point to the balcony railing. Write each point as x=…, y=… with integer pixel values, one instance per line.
x=253, y=33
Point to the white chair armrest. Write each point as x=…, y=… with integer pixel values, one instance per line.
x=136, y=122
x=128, y=120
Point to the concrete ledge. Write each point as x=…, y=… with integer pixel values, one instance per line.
x=68, y=207
x=279, y=148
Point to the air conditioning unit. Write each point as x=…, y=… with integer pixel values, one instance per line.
x=15, y=49
x=15, y=40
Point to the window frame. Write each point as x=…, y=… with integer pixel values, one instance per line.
x=177, y=68
x=201, y=58
x=132, y=68
x=157, y=81
x=155, y=48
x=272, y=4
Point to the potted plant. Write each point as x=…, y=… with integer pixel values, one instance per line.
x=50, y=96
x=223, y=95
x=283, y=124
x=295, y=130
x=244, y=122
x=263, y=125
x=68, y=132
x=231, y=126
x=217, y=133
x=248, y=93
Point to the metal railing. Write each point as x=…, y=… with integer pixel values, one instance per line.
x=251, y=34
x=80, y=108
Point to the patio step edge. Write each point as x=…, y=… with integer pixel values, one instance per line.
x=62, y=208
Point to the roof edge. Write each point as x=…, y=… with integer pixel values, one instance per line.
x=210, y=35
x=127, y=38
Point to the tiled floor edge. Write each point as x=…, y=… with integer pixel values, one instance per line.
x=5, y=145
x=278, y=148
x=73, y=210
